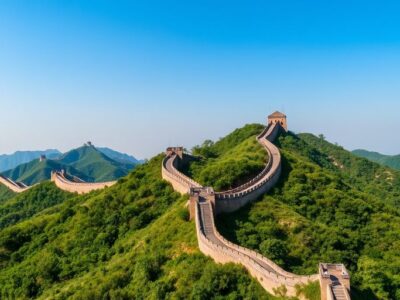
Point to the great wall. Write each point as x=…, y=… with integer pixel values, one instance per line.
x=76, y=185
x=205, y=205
x=79, y=186
x=58, y=177
x=16, y=187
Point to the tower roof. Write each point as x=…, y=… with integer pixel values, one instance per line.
x=277, y=114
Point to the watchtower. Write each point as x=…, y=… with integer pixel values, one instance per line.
x=174, y=150
x=278, y=117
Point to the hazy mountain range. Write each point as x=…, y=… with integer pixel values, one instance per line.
x=87, y=162
x=392, y=161
x=10, y=161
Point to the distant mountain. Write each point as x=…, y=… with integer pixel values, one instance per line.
x=10, y=161
x=86, y=162
x=37, y=171
x=392, y=161
x=118, y=156
x=95, y=164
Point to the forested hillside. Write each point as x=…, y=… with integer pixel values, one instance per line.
x=5, y=193
x=392, y=161
x=134, y=240
x=10, y=161
x=329, y=206
x=131, y=241
x=86, y=162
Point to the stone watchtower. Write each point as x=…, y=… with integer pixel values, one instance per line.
x=278, y=117
x=175, y=150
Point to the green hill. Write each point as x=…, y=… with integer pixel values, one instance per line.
x=133, y=240
x=27, y=204
x=10, y=161
x=392, y=161
x=94, y=164
x=38, y=171
x=85, y=162
x=5, y=193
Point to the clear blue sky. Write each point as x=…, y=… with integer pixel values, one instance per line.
x=138, y=76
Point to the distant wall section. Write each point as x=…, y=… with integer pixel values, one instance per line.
x=77, y=187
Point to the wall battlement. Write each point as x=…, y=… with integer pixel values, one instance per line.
x=81, y=187
x=16, y=187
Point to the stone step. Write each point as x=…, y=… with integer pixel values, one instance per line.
x=338, y=292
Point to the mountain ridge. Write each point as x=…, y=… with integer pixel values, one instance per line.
x=392, y=161
x=85, y=162
x=10, y=161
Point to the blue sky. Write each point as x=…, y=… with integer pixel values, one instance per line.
x=138, y=76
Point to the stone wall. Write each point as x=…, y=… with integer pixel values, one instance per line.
x=169, y=172
x=211, y=243
x=231, y=200
x=333, y=279
x=12, y=185
x=240, y=255
x=77, y=187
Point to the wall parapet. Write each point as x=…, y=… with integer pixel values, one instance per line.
x=170, y=173
x=271, y=168
x=77, y=187
x=226, y=251
x=16, y=187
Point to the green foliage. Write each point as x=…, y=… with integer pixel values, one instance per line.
x=328, y=207
x=95, y=165
x=311, y=291
x=362, y=174
x=5, y=193
x=133, y=240
x=392, y=161
x=86, y=162
x=184, y=214
x=36, y=171
x=28, y=203
x=228, y=142
x=229, y=162
x=130, y=241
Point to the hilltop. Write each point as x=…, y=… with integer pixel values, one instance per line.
x=134, y=241
x=392, y=161
x=86, y=162
x=10, y=161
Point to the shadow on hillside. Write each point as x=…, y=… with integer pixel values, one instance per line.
x=357, y=294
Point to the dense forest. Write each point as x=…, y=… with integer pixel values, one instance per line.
x=5, y=193
x=134, y=240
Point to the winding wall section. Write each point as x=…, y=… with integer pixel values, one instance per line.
x=205, y=204
x=17, y=187
x=77, y=187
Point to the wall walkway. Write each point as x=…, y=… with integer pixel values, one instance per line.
x=77, y=187
x=17, y=187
